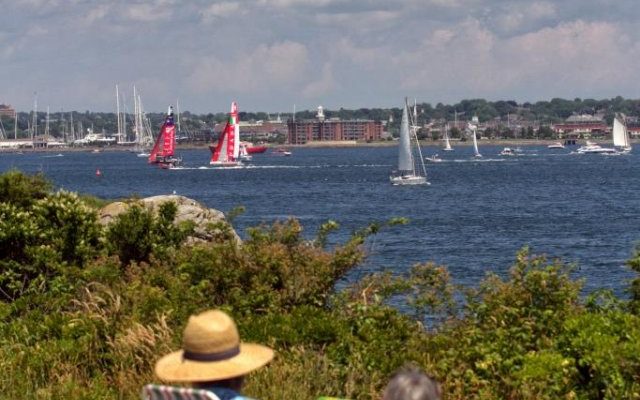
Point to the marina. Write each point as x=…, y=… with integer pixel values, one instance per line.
x=473, y=218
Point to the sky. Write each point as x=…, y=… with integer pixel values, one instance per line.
x=272, y=55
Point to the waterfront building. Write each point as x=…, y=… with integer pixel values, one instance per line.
x=257, y=130
x=634, y=130
x=7, y=111
x=322, y=129
x=581, y=126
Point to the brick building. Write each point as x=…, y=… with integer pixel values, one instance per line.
x=581, y=126
x=7, y=111
x=332, y=130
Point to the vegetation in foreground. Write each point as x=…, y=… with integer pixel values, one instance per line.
x=86, y=311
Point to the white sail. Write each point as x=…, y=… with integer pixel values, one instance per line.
x=236, y=141
x=475, y=142
x=620, y=134
x=405, y=161
x=447, y=145
x=407, y=173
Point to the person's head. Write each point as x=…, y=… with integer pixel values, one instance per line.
x=212, y=352
x=412, y=384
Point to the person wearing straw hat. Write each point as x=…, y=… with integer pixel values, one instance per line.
x=212, y=356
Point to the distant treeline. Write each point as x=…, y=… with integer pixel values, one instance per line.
x=542, y=112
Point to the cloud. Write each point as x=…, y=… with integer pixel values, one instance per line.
x=265, y=68
x=303, y=3
x=574, y=53
x=517, y=17
x=149, y=12
x=221, y=10
x=347, y=52
x=321, y=86
x=360, y=21
x=96, y=14
x=562, y=60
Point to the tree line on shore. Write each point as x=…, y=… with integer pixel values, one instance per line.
x=543, y=113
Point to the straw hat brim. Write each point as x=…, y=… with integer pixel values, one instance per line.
x=174, y=368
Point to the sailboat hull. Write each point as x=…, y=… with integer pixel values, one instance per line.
x=408, y=180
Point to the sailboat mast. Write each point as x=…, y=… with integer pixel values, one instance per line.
x=118, y=111
x=178, y=114
x=46, y=128
x=15, y=126
x=124, y=119
x=415, y=135
x=34, y=132
x=72, y=131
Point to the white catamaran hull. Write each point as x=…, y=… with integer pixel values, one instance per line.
x=225, y=164
x=408, y=180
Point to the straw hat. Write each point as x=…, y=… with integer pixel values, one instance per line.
x=211, y=351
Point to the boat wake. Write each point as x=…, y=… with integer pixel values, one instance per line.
x=203, y=167
x=479, y=160
x=54, y=156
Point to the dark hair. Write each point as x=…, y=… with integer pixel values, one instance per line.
x=412, y=384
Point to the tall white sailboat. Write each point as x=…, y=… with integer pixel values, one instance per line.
x=447, y=145
x=408, y=173
x=620, y=134
x=476, y=152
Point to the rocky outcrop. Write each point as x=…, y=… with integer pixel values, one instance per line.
x=188, y=210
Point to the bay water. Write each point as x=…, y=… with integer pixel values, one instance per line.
x=473, y=218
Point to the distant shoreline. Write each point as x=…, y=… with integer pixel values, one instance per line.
x=333, y=144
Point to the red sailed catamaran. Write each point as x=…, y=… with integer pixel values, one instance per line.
x=164, y=148
x=227, y=152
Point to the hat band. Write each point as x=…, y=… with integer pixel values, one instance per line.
x=217, y=356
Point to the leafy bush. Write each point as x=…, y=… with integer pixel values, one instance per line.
x=85, y=311
x=22, y=190
x=138, y=232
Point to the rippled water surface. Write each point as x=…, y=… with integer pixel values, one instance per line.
x=473, y=217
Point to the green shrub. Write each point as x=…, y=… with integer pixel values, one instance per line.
x=85, y=312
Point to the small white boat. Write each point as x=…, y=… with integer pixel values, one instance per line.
x=434, y=158
x=592, y=148
x=244, y=154
x=508, y=151
x=556, y=145
x=281, y=152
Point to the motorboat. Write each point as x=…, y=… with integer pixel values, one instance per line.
x=434, y=158
x=281, y=152
x=556, y=145
x=252, y=148
x=508, y=151
x=592, y=148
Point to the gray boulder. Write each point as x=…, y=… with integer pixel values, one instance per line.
x=188, y=210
